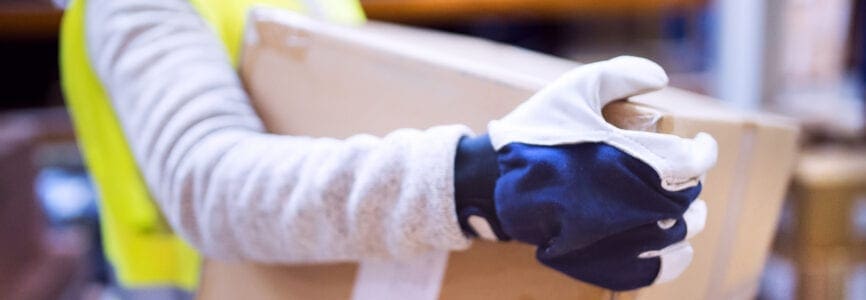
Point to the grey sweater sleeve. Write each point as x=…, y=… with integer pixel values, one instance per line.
x=235, y=191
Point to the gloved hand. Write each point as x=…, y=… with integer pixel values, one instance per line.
x=604, y=205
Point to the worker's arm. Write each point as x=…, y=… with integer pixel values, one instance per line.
x=233, y=190
x=608, y=206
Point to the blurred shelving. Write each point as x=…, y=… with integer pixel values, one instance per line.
x=450, y=10
x=29, y=19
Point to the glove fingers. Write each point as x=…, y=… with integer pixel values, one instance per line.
x=674, y=261
x=680, y=162
x=603, y=82
x=695, y=218
x=623, y=261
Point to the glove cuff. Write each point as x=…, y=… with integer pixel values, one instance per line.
x=476, y=170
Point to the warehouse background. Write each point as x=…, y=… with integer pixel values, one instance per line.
x=804, y=59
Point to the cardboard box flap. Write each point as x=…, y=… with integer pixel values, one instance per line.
x=479, y=59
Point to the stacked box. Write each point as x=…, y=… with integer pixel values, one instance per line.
x=828, y=241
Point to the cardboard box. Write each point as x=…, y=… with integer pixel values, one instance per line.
x=827, y=241
x=830, y=197
x=832, y=273
x=316, y=79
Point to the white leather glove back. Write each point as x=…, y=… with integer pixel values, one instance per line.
x=569, y=112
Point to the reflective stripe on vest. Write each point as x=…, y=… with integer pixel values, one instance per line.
x=141, y=247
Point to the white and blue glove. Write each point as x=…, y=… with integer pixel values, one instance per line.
x=604, y=205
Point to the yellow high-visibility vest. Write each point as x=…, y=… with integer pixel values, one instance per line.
x=140, y=246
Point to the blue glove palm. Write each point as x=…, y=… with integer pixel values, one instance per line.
x=591, y=209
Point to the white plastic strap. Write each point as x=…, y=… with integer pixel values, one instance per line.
x=419, y=278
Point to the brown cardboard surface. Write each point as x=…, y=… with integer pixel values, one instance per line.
x=831, y=167
x=827, y=272
x=828, y=242
x=753, y=224
x=830, y=185
x=236, y=280
x=508, y=271
x=826, y=216
x=308, y=78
